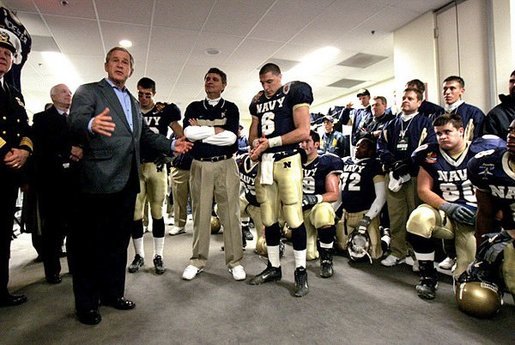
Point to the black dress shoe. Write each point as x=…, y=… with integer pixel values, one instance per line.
x=12, y=300
x=54, y=279
x=89, y=317
x=120, y=303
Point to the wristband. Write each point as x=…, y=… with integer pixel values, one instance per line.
x=320, y=198
x=275, y=141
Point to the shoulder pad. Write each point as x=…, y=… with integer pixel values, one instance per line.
x=257, y=96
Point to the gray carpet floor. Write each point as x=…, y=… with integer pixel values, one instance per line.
x=361, y=304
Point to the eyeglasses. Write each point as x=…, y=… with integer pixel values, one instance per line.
x=145, y=95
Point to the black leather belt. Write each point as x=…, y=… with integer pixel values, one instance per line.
x=215, y=158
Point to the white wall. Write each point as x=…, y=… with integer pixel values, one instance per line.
x=503, y=14
x=415, y=55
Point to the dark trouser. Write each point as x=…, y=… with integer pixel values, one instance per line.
x=99, y=243
x=8, y=195
x=53, y=229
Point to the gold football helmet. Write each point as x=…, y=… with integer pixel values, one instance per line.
x=215, y=225
x=478, y=298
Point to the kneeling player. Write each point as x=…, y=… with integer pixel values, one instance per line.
x=363, y=196
x=320, y=188
x=492, y=172
x=449, y=201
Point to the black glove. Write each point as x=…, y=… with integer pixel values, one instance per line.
x=459, y=213
x=309, y=199
x=161, y=161
x=493, y=246
x=400, y=168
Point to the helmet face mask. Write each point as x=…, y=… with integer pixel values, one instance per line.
x=358, y=245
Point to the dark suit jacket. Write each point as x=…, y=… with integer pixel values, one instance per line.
x=52, y=146
x=108, y=162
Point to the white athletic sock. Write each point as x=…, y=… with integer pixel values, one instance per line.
x=138, y=246
x=300, y=258
x=425, y=256
x=273, y=256
x=326, y=245
x=159, y=243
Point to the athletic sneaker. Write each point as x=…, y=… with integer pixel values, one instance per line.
x=176, y=230
x=301, y=282
x=392, y=260
x=136, y=264
x=191, y=272
x=238, y=273
x=447, y=263
x=270, y=274
x=158, y=265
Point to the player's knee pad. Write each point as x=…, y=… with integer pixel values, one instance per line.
x=322, y=215
x=299, y=237
x=293, y=215
x=422, y=221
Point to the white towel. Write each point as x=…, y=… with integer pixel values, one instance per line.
x=267, y=168
x=395, y=184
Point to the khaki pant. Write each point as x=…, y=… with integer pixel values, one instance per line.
x=179, y=179
x=350, y=222
x=219, y=180
x=400, y=206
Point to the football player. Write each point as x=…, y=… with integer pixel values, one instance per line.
x=249, y=206
x=321, y=189
x=492, y=173
x=363, y=196
x=153, y=176
x=449, y=200
x=280, y=121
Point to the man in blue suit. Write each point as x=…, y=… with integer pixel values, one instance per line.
x=105, y=118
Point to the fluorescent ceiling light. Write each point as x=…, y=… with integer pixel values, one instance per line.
x=125, y=43
x=312, y=63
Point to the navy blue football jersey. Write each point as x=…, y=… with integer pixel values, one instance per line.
x=490, y=172
x=357, y=183
x=450, y=177
x=315, y=172
x=276, y=113
x=158, y=122
x=248, y=172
